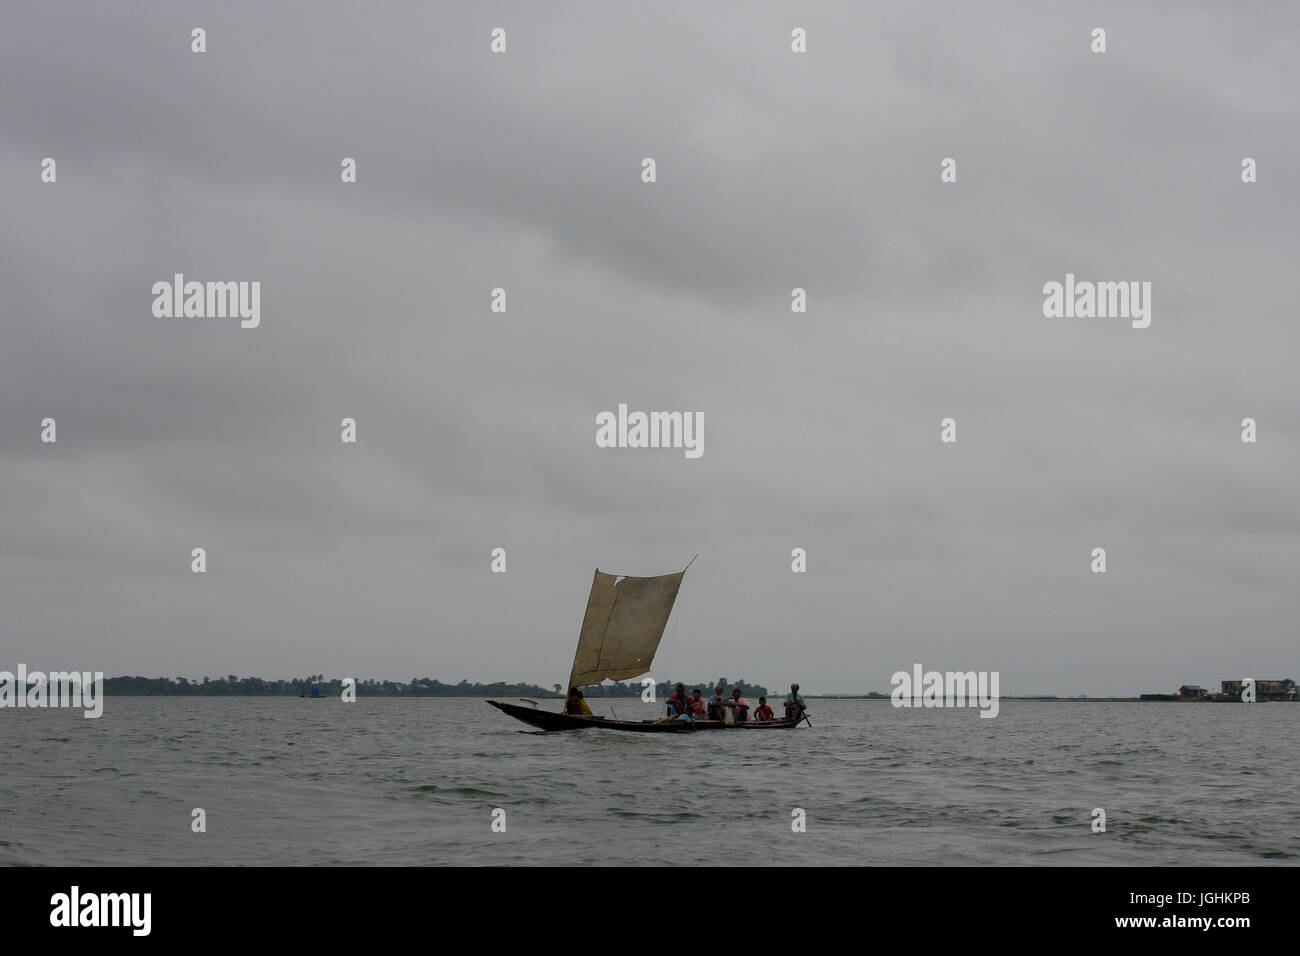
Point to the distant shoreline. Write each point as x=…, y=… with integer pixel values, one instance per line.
x=317, y=685
x=1076, y=700
x=551, y=696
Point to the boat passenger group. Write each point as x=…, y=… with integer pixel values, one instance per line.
x=718, y=707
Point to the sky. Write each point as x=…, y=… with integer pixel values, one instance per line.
x=476, y=430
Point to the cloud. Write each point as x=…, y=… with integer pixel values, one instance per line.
x=477, y=430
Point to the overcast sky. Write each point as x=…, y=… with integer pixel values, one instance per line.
x=477, y=430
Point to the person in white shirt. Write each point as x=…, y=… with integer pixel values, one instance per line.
x=716, y=703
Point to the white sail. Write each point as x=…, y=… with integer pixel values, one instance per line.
x=625, y=621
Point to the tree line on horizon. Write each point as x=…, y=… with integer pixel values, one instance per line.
x=417, y=686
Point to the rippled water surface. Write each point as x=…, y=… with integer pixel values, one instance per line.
x=415, y=781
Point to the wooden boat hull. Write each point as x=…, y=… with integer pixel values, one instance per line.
x=549, y=720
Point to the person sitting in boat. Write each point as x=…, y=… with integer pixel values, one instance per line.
x=739, y=705
x=697, y=704
x=576, y=704
x=794, y=703
x=717, y=703
x=762, y=711
x=679, y=705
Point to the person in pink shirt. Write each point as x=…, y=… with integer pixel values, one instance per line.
x=697, y=704
x=739, y=705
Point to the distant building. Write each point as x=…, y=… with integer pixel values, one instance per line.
x=1264, y=689
x=1193, y=692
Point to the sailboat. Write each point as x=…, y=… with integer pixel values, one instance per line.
x=621, y=630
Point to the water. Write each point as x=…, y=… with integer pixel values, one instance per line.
x=415, y=781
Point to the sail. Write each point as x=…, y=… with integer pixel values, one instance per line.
x=625, y=619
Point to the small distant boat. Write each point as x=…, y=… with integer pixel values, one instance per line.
x=621, y=631
x=315, y=693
